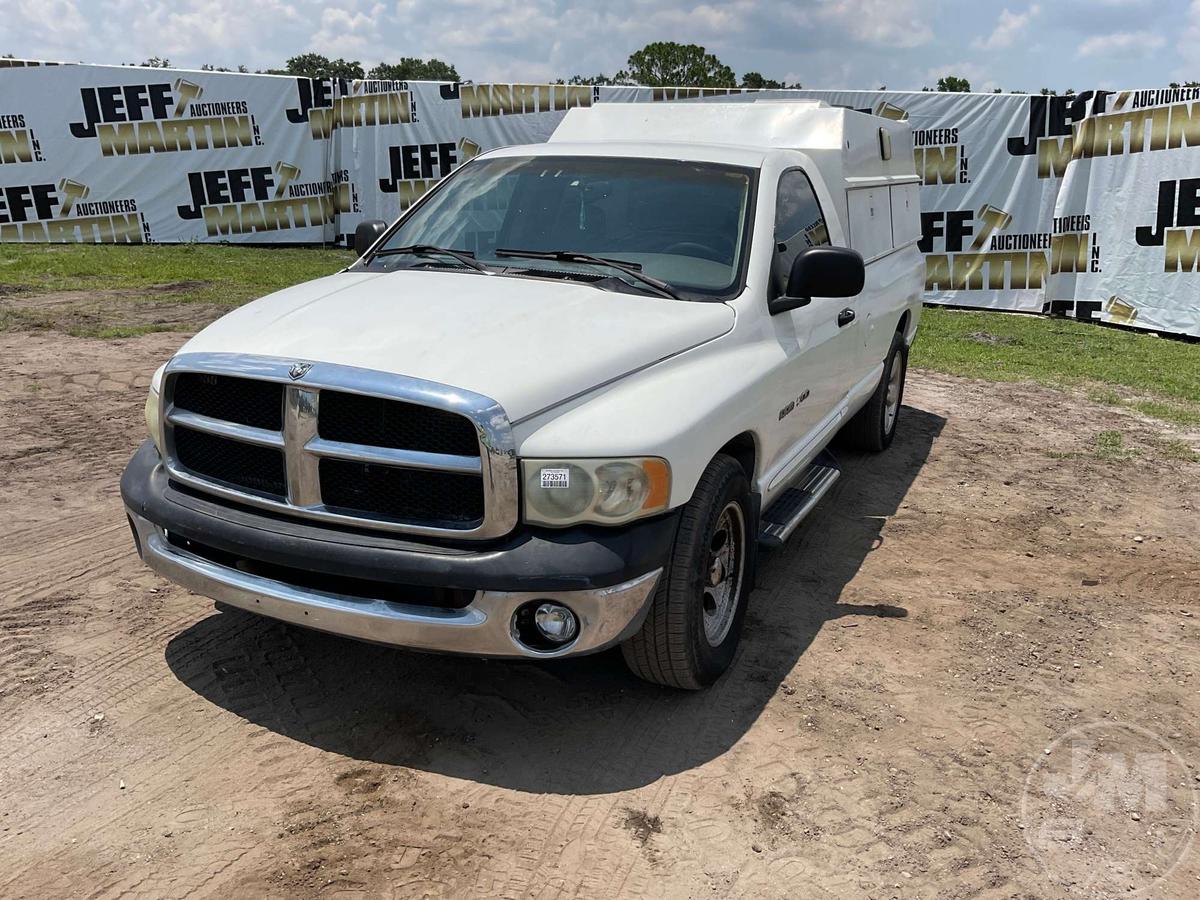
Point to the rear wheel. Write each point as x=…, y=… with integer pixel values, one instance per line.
x=874, y=426
x=692, y=629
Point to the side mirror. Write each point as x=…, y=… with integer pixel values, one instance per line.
x=821, y=272
x=367, y=233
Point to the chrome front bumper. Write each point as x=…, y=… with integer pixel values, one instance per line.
x=606, y=615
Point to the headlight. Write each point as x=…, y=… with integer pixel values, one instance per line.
x=154, y=409
x=601, y=491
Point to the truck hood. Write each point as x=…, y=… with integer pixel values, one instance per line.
x=528, y=344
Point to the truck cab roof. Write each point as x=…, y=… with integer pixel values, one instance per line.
x=844, y=142
x=729, y=154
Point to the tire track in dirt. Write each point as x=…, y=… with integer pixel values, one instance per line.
x=158, y=767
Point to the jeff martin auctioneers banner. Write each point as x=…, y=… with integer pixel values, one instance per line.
x=1087, y=205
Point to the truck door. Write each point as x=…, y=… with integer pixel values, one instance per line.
x=822, y=340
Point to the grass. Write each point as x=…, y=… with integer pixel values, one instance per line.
x=1179, y=413
x=1177, y=449
x=214, y=273
x=1109, y=446
x=1156, y=376
x=113, y=332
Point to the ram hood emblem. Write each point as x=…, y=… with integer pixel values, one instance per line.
x=299, y=370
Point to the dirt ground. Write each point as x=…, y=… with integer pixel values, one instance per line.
x=156, y=307
x=973, y=673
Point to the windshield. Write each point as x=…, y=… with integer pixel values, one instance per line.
x=682, y=223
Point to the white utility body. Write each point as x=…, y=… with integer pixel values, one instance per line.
x=560, y=402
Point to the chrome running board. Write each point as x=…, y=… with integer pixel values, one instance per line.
x=794, y=505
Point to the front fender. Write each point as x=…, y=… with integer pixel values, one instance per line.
x=684, y=410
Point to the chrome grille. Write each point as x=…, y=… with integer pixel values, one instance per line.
x=258, y=469
x=391, y=491
x=340, y=444
x=241, y=400
x=379, y=422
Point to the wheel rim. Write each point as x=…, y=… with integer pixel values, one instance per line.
x=723, y=573
x=895, y=388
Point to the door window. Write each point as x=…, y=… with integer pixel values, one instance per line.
x=798, y=224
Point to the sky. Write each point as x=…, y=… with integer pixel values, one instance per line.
x=849, y=44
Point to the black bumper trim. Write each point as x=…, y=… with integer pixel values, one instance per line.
x=530, y=559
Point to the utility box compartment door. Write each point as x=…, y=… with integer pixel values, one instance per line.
x=906, y=214
x=870, y=210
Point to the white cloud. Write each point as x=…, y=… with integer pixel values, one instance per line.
x=346, y=32
x=57, y=24
x=1008, y=28
x=894, y=23
x=1189, y=45
x=1121, y=43
x=822, y=43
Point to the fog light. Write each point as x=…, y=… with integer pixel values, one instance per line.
x=555, y=623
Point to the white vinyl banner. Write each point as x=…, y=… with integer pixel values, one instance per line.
x=1086, y=205
x=107, y=154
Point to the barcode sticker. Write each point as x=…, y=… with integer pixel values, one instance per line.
x=556, y=478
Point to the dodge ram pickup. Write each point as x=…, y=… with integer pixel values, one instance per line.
x=562, y=401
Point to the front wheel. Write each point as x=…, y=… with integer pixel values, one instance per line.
x=692, y=629
x=874, y=426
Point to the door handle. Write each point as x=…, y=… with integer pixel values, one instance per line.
x=845, y=317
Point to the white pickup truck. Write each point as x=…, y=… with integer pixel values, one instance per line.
x=559, y=404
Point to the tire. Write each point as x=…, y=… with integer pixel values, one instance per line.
x=692, y=629
x=874, y=426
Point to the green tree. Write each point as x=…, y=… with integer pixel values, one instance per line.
x=314, y=65
x=668, y=64
x=953, y=84
x=412, y=68
x=154, y=62
x=755, y=80
x=598, y=78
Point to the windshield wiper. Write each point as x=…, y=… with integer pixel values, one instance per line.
x=466, y=257
x=632, y=269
